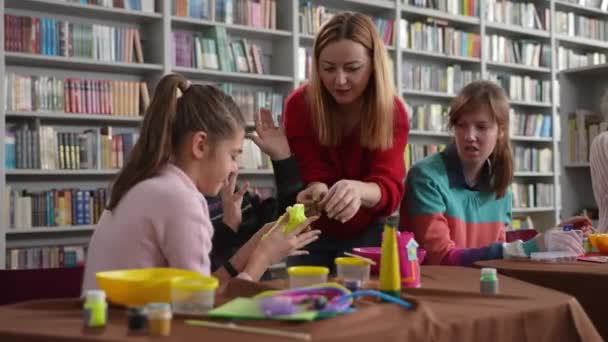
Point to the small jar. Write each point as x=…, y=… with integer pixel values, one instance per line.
x=302, y=276
x=193, y=295
x=138, y=321
x=349, y=268
x=488, y=283
x=159, y=319
x=95, y=309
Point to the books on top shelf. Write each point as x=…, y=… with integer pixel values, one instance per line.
x=576, y=25
x=583, y=127
x=529, y=124
x=569, y=58
x=435, y=35
x=54, y=208
x=52, y=37
x=256, y=13
x=523, y=88
x=524, y=14
x=133, y=5
x=445, y=79
x=528, y=159
x=211, y=49
x=527, y=52
x=456, y=7
x=26, y=93
x=51, y=148
x=430, y=117
x=45, y=257
x=532, y=195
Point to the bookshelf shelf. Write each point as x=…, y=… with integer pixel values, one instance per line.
x=532, y=210
x=591, y=70
x=215, y=75
x=518, y=67
x=38, y=172
x=517, y=30
x=256, y=172
x=451, y=18
x=114, y=119
x=424, y=93
x=579, y=9
x=581, y=42
x=440, y=56
x=241, y=30
x=309, y=39
x=46, y=230
x=83, y=10
x=83, y=64
x=530, y=104
x=577, y=166
x=533, y=174
x=387, y=4
x=531, y=139
x=416, y=132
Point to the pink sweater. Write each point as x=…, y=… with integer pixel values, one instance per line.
x=161, y=222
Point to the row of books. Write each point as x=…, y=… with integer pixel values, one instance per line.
x=253, y=158
x=211, y=49
x=532, y=195
x=45, y=257
x=568, y=58
x=27, y=93
x=523, y=88
x=132, y=5
x=54, y=208
x=435, y=36
x=416, y=152
x=524, y=14
x=52, y=37
x=48, y=148
x=256, y=13
x=576, y=25
x=456, y=7
x=583, y=127
x=445, y=79
x=530, y=159
x=502, y=49
x=530, y=124
x=430, y=117
x=251, y=102
x=312, y=17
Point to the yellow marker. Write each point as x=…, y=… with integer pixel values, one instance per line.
x=390, y=276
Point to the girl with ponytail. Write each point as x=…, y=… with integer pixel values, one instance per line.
x=458, y=201
x=157, y=215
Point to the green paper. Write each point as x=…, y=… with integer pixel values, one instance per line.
x=248, y=308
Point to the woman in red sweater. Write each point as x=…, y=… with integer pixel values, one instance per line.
x=347, y=130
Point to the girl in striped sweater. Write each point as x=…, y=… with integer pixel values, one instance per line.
x=458, y=201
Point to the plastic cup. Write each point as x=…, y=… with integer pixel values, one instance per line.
x=193, y=295
x=349, y=268
x=302, y=276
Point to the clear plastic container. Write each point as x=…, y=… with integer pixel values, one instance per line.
x=302, y=276
x=193, y=295
x=553, y=256
x=349, y=268
x=159, y=319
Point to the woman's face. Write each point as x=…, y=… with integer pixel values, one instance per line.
x=345, y=68
x=476, y=134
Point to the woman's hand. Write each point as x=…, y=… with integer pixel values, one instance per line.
x=579, y=222
x=560, y=241
x=270, y=138
x=232, y=202
x=343, y=200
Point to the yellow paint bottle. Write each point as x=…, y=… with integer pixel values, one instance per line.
x=390, y=276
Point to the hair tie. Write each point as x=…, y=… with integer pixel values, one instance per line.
x=179, y=92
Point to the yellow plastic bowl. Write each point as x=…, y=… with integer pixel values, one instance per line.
x=138, y=287
x=599, y=241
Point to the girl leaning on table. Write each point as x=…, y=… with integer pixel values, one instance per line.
x=458, y=201
x=157, y=215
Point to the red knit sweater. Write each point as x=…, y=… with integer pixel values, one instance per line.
x=349, y=160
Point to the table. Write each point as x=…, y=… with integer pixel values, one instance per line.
x=449, y=308
x=587, y=282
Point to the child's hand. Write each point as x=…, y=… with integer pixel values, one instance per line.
x=270, y=138
x=580, y=222
x=232, y=202
x=278, y=244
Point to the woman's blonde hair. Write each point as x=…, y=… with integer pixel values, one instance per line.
x=379, y=96
x=488, y=96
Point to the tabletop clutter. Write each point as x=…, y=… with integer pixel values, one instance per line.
x=155, y=296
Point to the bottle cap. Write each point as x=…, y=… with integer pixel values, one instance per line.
x=96, y=295
x=488, y=272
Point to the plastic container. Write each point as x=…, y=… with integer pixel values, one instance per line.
x=488, y=282
x=599, y=242
x=138, y=321
x=553, y=256
x=302, y=276
x=349, y=268
x=95, y=309
x=159, y=319
x=193, y=295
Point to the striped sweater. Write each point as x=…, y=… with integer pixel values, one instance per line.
x=455, y=223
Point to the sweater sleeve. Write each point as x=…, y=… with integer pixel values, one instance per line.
x=311, y=158
x=288, y=180
x=388, y=166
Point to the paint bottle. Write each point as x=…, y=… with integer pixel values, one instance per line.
x=95, y=309
x=488, y=283
x=138, y=321
x=390, y=276
x=159, y=319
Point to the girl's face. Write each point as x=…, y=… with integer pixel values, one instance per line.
x=345, y=68
x=217, y=162
x=476, y=134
